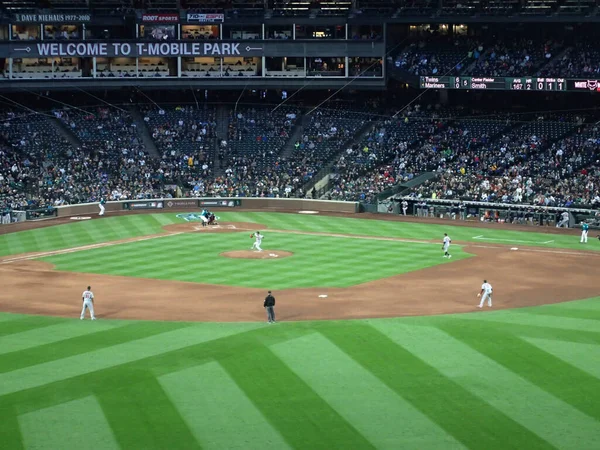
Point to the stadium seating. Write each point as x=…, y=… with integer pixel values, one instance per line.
x=185, y=138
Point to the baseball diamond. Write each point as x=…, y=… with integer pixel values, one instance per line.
x=190, y=340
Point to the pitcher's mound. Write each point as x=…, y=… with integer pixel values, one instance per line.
x=251, y=254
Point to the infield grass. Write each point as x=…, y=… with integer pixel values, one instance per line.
x=318, y=261
x=520, y=379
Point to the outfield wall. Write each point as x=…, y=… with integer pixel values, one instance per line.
x=261, y=204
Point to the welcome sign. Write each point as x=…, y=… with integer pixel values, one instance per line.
x=132, y=49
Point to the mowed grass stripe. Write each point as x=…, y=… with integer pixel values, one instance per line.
x=376, y=411
x=517, y=318
x=468, y=418
x=547, y=416
x=96, y=338
x=588, y=304
x=217, y=411
x=585, y=357
x=78, y=424
x=535, y=365
x=142, y=416
x=77, y=365
x=572, y=313
x=304, y=419
x=10, y=432
x=49, y=334
x=7, y=317
x=26, y=323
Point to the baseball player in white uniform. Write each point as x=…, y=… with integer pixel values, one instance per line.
x=564, y=220
x=88, y=302
x=258, y=240
x=485, y=294
x=446, y=246
x=404, y=207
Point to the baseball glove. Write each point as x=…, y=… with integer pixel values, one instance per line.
x=251, y=236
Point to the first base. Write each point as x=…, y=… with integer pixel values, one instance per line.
x=514, y=248
x=323, y=296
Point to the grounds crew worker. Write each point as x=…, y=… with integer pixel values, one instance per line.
x=270, y=307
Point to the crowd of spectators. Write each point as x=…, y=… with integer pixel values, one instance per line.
x=518, y=57
x=499, y=56
x=251, y=160
x=185, y=139
x=581, y=60
x=552, y=161
x=439, y=55
x=523, y=168
x=549, y=160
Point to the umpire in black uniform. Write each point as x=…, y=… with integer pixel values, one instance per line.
x=270, y=307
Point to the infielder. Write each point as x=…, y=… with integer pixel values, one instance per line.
x=485, y=294
x=584, y=232
x=446, y=246
x=257, y=242
x=88, y=302
x=404, y=207
x=101, y=206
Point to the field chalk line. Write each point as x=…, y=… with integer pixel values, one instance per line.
x=307, y=233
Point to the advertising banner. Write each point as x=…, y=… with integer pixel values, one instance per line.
x=181, y=203
x=205, y=18
x=160, y=18
x=221, y=203
x=143, y=205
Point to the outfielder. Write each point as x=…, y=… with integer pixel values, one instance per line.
x=257, y=242
x=446, y=246
x=584, y=232
x=485, y=294
x=88, y=302
x=101, y=206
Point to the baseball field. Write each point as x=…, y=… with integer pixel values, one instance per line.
x=379, y=343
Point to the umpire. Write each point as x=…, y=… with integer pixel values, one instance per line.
x=270, y=307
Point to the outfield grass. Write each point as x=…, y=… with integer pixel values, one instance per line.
x=121, y=227
x=318, y=261
x=521, y=379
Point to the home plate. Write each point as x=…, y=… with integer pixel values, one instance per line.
x=514, y=248
x=323, y=296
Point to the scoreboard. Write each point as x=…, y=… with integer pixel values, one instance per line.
x=547, y=84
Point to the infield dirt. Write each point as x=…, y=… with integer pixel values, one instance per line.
x=520, y=278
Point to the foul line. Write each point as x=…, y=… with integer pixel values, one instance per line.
x=481, y=237
x=83, y=248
